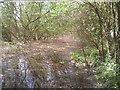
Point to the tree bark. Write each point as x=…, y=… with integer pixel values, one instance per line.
x=118, y=46
x=118, y=35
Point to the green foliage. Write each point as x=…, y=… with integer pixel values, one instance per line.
x=60, y=9
x=27, y=21
x=107, y=74
x=77, y=57
x=107, y=71
x=91, y=57
x=9, y=43
x=94, y=29
x=12, y=43
x=93, y=23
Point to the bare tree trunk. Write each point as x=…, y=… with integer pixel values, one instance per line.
x=118, y=35
x=118, y=45
x=96, y=10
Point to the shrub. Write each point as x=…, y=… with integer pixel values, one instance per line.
x=77, y=57
x=107, y=72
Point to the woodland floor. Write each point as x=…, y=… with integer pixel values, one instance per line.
x=45, y=64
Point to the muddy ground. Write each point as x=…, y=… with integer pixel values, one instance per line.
x=45, y=64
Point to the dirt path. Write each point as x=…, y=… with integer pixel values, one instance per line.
x=46, y=64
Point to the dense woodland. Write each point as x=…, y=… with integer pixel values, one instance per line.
x=97, y=24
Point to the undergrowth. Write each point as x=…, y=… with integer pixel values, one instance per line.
x=106, y=71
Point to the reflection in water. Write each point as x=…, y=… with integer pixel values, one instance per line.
x=16, y=73
x=49, y=75
x=25, y=74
